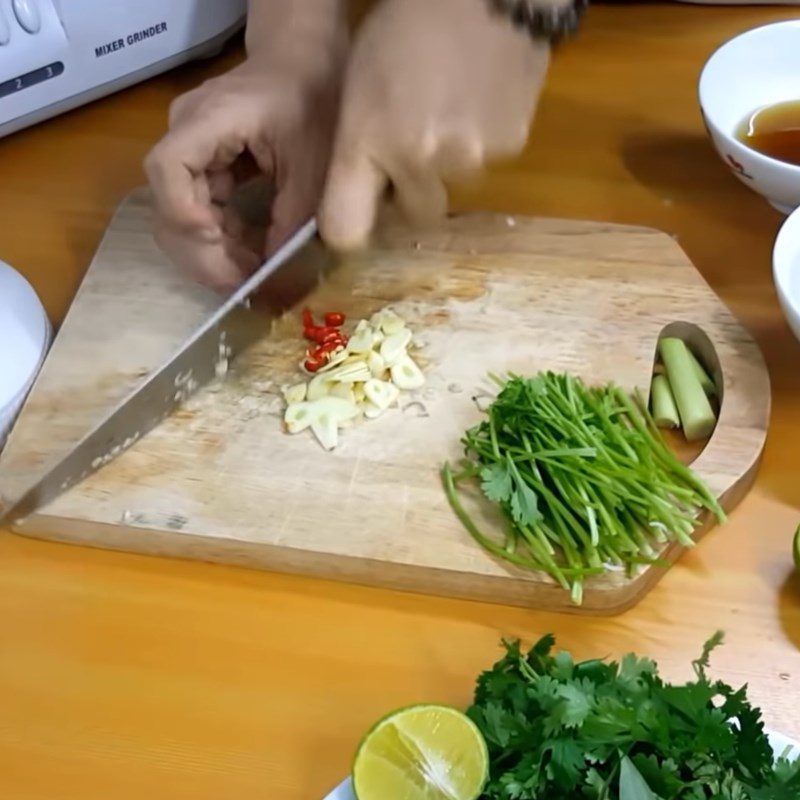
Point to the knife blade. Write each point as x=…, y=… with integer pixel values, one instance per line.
x=232, y=328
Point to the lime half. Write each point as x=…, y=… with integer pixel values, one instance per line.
x=797, y=548
x=422, y=753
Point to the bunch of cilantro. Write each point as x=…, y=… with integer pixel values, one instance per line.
x=598, y=730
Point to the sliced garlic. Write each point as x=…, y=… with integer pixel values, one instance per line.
x=376, y=364
x=371, y=411
x=394, y=347
x=350, y=373
x=407, y=375
x=294, y=394
x=326, y=429
x=298, y=417
x=318, y=387
x=344, y=391
x=361, y=342
x=359, y=395
x=391, y=323
x=336, y=358
x=381, y=393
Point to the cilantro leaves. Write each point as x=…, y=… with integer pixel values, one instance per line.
x=557, y=729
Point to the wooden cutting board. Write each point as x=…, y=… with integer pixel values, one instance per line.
x=220, y=481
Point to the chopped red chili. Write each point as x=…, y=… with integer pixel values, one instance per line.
x=334, y=319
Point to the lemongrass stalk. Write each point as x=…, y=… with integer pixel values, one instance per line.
x=697, y=417
x=662, y=403
x=709, y=387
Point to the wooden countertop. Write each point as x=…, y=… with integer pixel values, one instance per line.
x=131, y=677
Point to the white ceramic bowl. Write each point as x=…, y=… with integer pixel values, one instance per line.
x=756, y=69
x=24, y=339
x=786, y=270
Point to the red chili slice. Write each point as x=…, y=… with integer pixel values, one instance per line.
x=317, y=334
x=308, y=318
x=314, y=364
x=334, y=319
x=329, y=347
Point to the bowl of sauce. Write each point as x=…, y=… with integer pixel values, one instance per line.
x=750, y=100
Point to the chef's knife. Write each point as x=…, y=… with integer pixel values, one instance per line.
x=205, y=355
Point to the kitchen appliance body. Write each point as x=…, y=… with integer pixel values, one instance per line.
x=56, y=55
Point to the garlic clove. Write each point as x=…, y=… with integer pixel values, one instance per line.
x=371, y=411
x=394, y=347
x=343, y=391
x=336, y=408
x=361, y=342
x=407, y=375
x=298, y=417
x=381, y=393
x=376, y=364
x=326, y=429
x=318, y=387
x=336, y=358
x=350, y=373
x=294, y=394
x=392, y=323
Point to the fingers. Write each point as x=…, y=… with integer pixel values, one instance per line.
x=350, y=200
x=420, y=194
x=189, y=172
x=417, y=172
x=221, y=264
x=176, y=169
x=221, y=184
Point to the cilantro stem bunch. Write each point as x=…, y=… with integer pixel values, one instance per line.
x=583, y=478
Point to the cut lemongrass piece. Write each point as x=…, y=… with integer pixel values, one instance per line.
x=407, y=375
x=697, y=417
x=662, y=403
x=709, y=387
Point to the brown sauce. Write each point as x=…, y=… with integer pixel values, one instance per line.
x=774, y=131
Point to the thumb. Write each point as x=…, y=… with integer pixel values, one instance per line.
x=350, y=201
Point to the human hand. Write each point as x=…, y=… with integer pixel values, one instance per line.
x=279, y=120
x=434, y=90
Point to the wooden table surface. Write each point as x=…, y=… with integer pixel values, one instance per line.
x=129, y=677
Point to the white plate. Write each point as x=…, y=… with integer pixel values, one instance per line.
x=779, y=743
x=24, y=339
